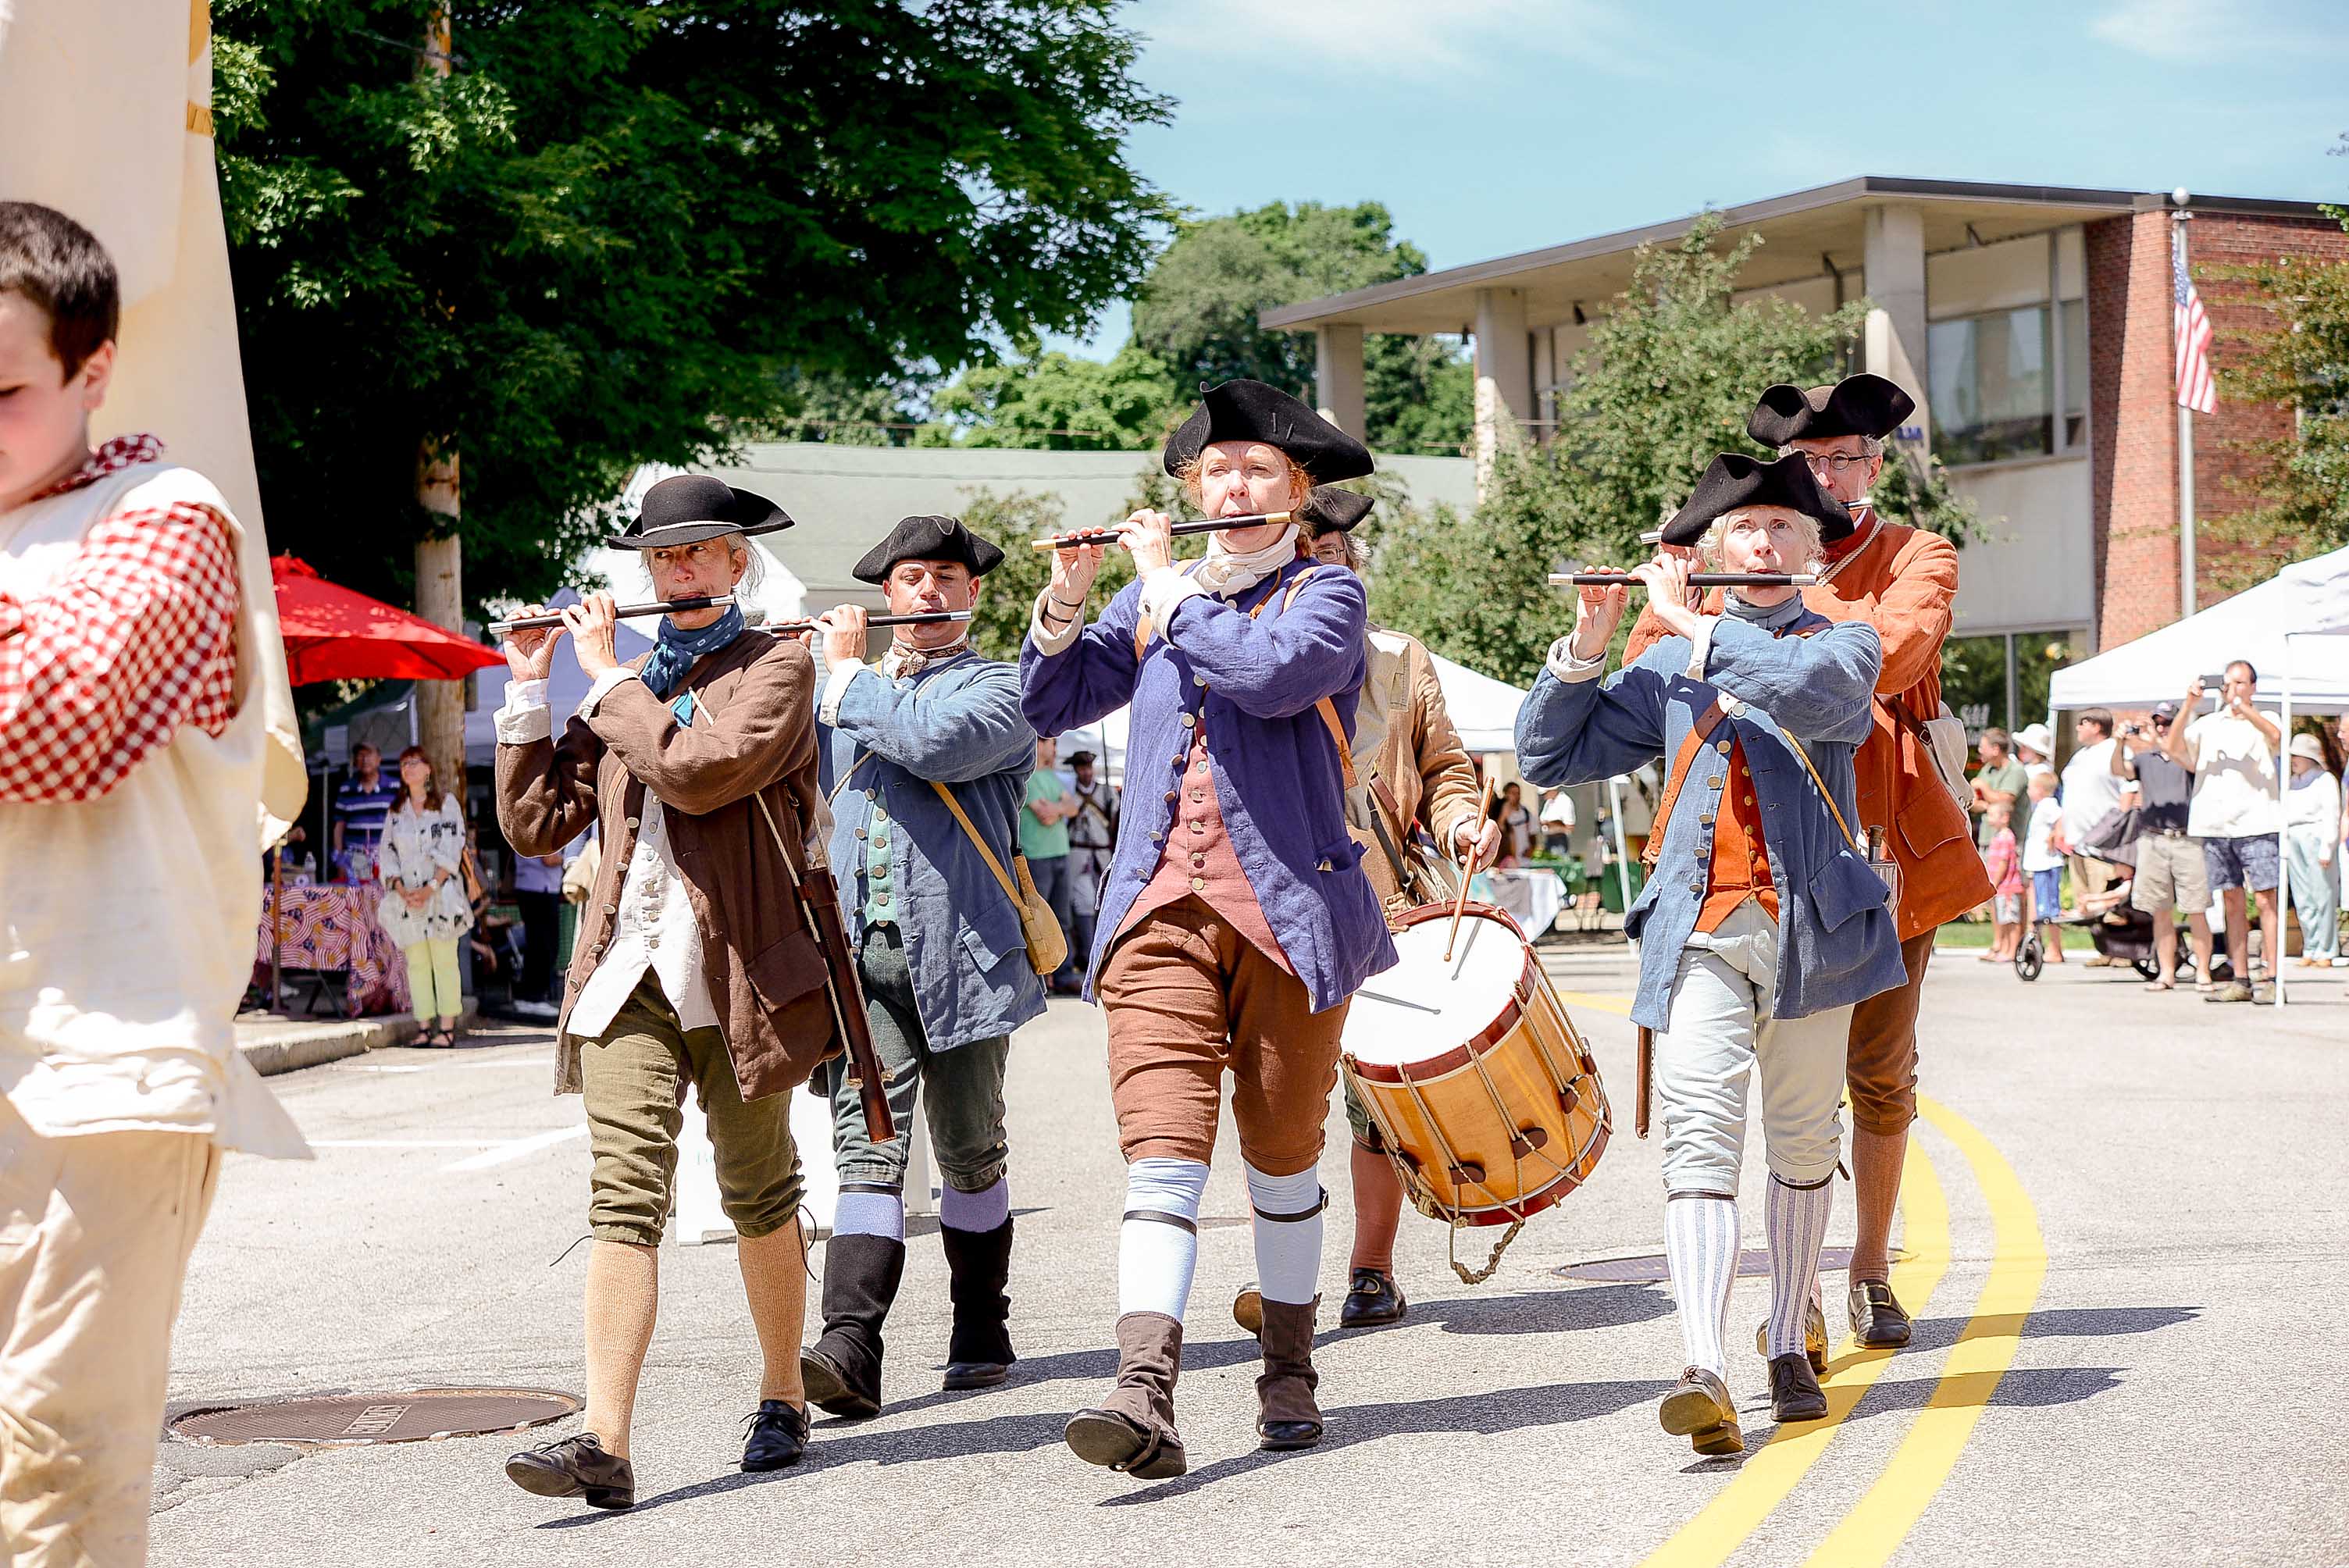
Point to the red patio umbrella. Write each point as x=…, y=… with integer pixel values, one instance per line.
x=333, y=633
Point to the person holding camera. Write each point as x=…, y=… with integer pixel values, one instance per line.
x=2170, y=871
x=2235, y=812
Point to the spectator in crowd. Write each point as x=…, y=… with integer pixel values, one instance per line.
x=2091, y=793
x=424, y=912
x=2034, y=747
x=1558, y=824
x=2170, y=869
x=2311, y=815
x=1594, y=870
x=362, y=802
x=1999, y=780
x=1093, y=839
x=2043, y=866
x=1044, y=840
x=538, y=890
x=2004, y=860
x=2236, y=814
x=1516, y=823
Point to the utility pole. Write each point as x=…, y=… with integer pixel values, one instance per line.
x=440, y=556
x=2178, y=218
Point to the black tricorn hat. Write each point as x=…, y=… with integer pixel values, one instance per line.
x=1860, y=405
x=1245, y=410
x=686, y=507
x=1079, y=759
x=1733, y=480
x=1329, y=510
x=929, y=538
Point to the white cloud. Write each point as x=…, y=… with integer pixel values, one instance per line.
x=1401, y=37
x=2188, y=32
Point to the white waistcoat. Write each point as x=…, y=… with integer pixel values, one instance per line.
x=128, y=922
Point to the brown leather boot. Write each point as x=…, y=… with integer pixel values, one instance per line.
x=1286, y=1417
x=1134, y=1429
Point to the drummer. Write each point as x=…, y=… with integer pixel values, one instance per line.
x=1762, y=927
x=1413, y=771
x=1236, y=923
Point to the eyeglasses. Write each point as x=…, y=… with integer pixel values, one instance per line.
x=1835, y=462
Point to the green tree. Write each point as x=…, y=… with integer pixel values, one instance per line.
x=1062, y=403
x=1007, y=596
x=1198, y=311
x=625, y=230
x=1666, y=382
x=2301, y=361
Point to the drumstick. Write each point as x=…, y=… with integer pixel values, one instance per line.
x=1209, y=525
x=1467, y=861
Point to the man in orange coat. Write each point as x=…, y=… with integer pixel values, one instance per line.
x=1902, y=580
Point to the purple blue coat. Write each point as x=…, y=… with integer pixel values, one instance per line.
x=1277, y=775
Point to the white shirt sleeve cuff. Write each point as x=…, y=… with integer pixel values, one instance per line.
x=524, y=717
x=1161, y=591
x=603, y=688
x=1042, y=633
x=835, y=686
x=1701, y=649
x=1566, y=667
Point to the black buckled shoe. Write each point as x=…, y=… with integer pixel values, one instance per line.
x=776, y=1435
x=1372, y=1300
x=1879, y=1321
x=577, y=1467
x=1699, y=1408
x=1794, y=1393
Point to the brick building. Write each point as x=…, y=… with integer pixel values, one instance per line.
x=2031, y=322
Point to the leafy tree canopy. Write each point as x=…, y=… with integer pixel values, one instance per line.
x=1666, y=382
x=1058, y=402
x=622, y=230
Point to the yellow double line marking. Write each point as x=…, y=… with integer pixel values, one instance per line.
x=1875, y=1527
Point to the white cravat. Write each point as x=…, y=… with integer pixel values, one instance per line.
x=1225, y=572
x=654, y=928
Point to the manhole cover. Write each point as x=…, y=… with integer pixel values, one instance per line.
x=1651, y=1270
x=392, y=1417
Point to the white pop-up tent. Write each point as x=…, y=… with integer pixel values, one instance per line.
x=2294, y=630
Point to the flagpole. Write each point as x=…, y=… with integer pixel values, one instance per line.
x=2178, y=218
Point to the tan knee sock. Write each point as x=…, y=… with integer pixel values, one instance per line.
x=1378, y=1209
x=623, y=1296
x=774, y=1278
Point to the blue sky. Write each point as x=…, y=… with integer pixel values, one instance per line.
x=1495, y=126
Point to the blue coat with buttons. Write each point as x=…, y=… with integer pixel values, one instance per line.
x=1278, y=775
x=958, y=723
x=1836, y=941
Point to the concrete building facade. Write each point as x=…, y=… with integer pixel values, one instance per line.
x=2032, y=323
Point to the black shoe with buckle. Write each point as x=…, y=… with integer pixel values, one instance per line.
x=577, y=1467
x=1877, y=1319
x=775, y=1435
x=1373, y=1299
x=1795, y=1392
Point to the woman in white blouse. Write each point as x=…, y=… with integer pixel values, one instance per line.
x=423, y=908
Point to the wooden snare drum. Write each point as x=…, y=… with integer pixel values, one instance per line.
x=1480, y=1089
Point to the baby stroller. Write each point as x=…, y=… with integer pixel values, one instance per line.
x=2123, y=934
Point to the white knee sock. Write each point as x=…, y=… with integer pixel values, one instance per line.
x=870, y=1212
x=1798, y=1221
x=1701, y=1241
x=1158, y=1245
x=1287, y=1233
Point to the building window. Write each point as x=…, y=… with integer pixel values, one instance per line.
x=1994, y=387
x=2075, y=314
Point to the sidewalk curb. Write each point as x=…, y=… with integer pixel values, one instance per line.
x=332, y=1041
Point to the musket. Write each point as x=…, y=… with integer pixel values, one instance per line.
x=1695, y=579
x=1206, y=525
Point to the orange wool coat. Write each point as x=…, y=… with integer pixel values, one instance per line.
x=1902, y=581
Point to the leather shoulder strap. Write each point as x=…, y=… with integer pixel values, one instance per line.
x=1002, y=877
x=1699, y=732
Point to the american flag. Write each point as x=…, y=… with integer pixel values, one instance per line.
x=2196, y=388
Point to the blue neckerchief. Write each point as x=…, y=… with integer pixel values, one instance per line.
x=1776, y=618
x=676, y=649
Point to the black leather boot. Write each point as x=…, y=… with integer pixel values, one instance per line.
x=842, y=1368
x=978, y=1263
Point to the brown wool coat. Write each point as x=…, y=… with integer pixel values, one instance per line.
x=753, y=733
x=1404, y=736
x=1903, y=582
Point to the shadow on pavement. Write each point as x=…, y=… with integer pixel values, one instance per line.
x=1483, y=1415
x=2058, y=1323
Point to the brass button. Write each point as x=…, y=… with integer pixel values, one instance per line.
x=632, y=824
x=1190, y=719
x=1198, y=884
x=1749, y=800
x=1323, y=867
x=1198, y=679
x=1199, y=863
x=1155, y=837
x=860, y=832
x=1198, y=826
x=1196, y=796
x=1723, y=746
x=1173, y=796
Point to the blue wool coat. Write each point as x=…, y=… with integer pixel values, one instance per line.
x=958, y=723
x=1276, y=771
x=1836, y=941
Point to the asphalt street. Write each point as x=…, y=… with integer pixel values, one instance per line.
x=2124, y=1243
